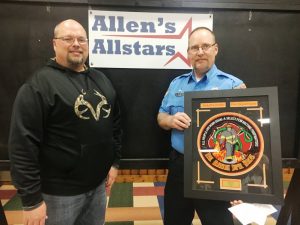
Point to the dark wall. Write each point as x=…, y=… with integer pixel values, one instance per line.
x=261, y=47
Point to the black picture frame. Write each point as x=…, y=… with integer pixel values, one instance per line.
x=233, y=147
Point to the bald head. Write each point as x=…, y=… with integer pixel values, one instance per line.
x=204, y=29
x=70, y=23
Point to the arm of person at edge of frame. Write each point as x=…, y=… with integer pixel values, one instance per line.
x=37, y=215
x=111, y=177
x=237, y=202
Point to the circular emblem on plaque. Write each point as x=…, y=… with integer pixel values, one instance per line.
x=230, y=143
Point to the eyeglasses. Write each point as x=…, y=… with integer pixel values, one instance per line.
x=70, y=40
x=204, y=48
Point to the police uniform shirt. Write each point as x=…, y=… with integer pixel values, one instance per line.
x=173, y=101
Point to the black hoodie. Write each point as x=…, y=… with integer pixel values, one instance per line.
x=65, y=133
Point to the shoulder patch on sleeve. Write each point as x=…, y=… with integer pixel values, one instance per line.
x=241, y=86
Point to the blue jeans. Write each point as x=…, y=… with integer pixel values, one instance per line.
x=84, y=209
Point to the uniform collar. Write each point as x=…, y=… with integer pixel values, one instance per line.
x=208, y=75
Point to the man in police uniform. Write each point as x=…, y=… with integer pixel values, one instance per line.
x=202, y=50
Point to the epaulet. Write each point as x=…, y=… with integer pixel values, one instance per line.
x=221, y=73
x=181, y=76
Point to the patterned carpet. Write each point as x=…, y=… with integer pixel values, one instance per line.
x=129, y=204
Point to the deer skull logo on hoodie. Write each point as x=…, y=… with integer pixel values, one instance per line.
x=82, y=106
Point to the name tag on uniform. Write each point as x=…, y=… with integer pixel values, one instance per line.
x=180, y=93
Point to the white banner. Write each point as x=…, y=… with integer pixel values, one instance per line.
x=142, y=40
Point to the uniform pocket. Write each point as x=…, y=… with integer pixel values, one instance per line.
x=176, y=109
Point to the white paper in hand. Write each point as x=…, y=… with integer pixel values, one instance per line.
x=247, y=213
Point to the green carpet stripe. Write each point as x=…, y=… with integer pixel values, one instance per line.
x=13, y=204
x=121, y=195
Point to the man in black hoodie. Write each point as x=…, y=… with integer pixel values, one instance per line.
x=65, y=136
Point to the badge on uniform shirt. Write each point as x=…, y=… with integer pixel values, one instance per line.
x=180, y=93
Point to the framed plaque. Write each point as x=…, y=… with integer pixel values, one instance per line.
x=232, y=148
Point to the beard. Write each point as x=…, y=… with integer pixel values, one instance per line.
x=75, y=61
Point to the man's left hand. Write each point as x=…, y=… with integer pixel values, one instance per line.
x=111, y=177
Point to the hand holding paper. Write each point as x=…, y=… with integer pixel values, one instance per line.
x=247, y=213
